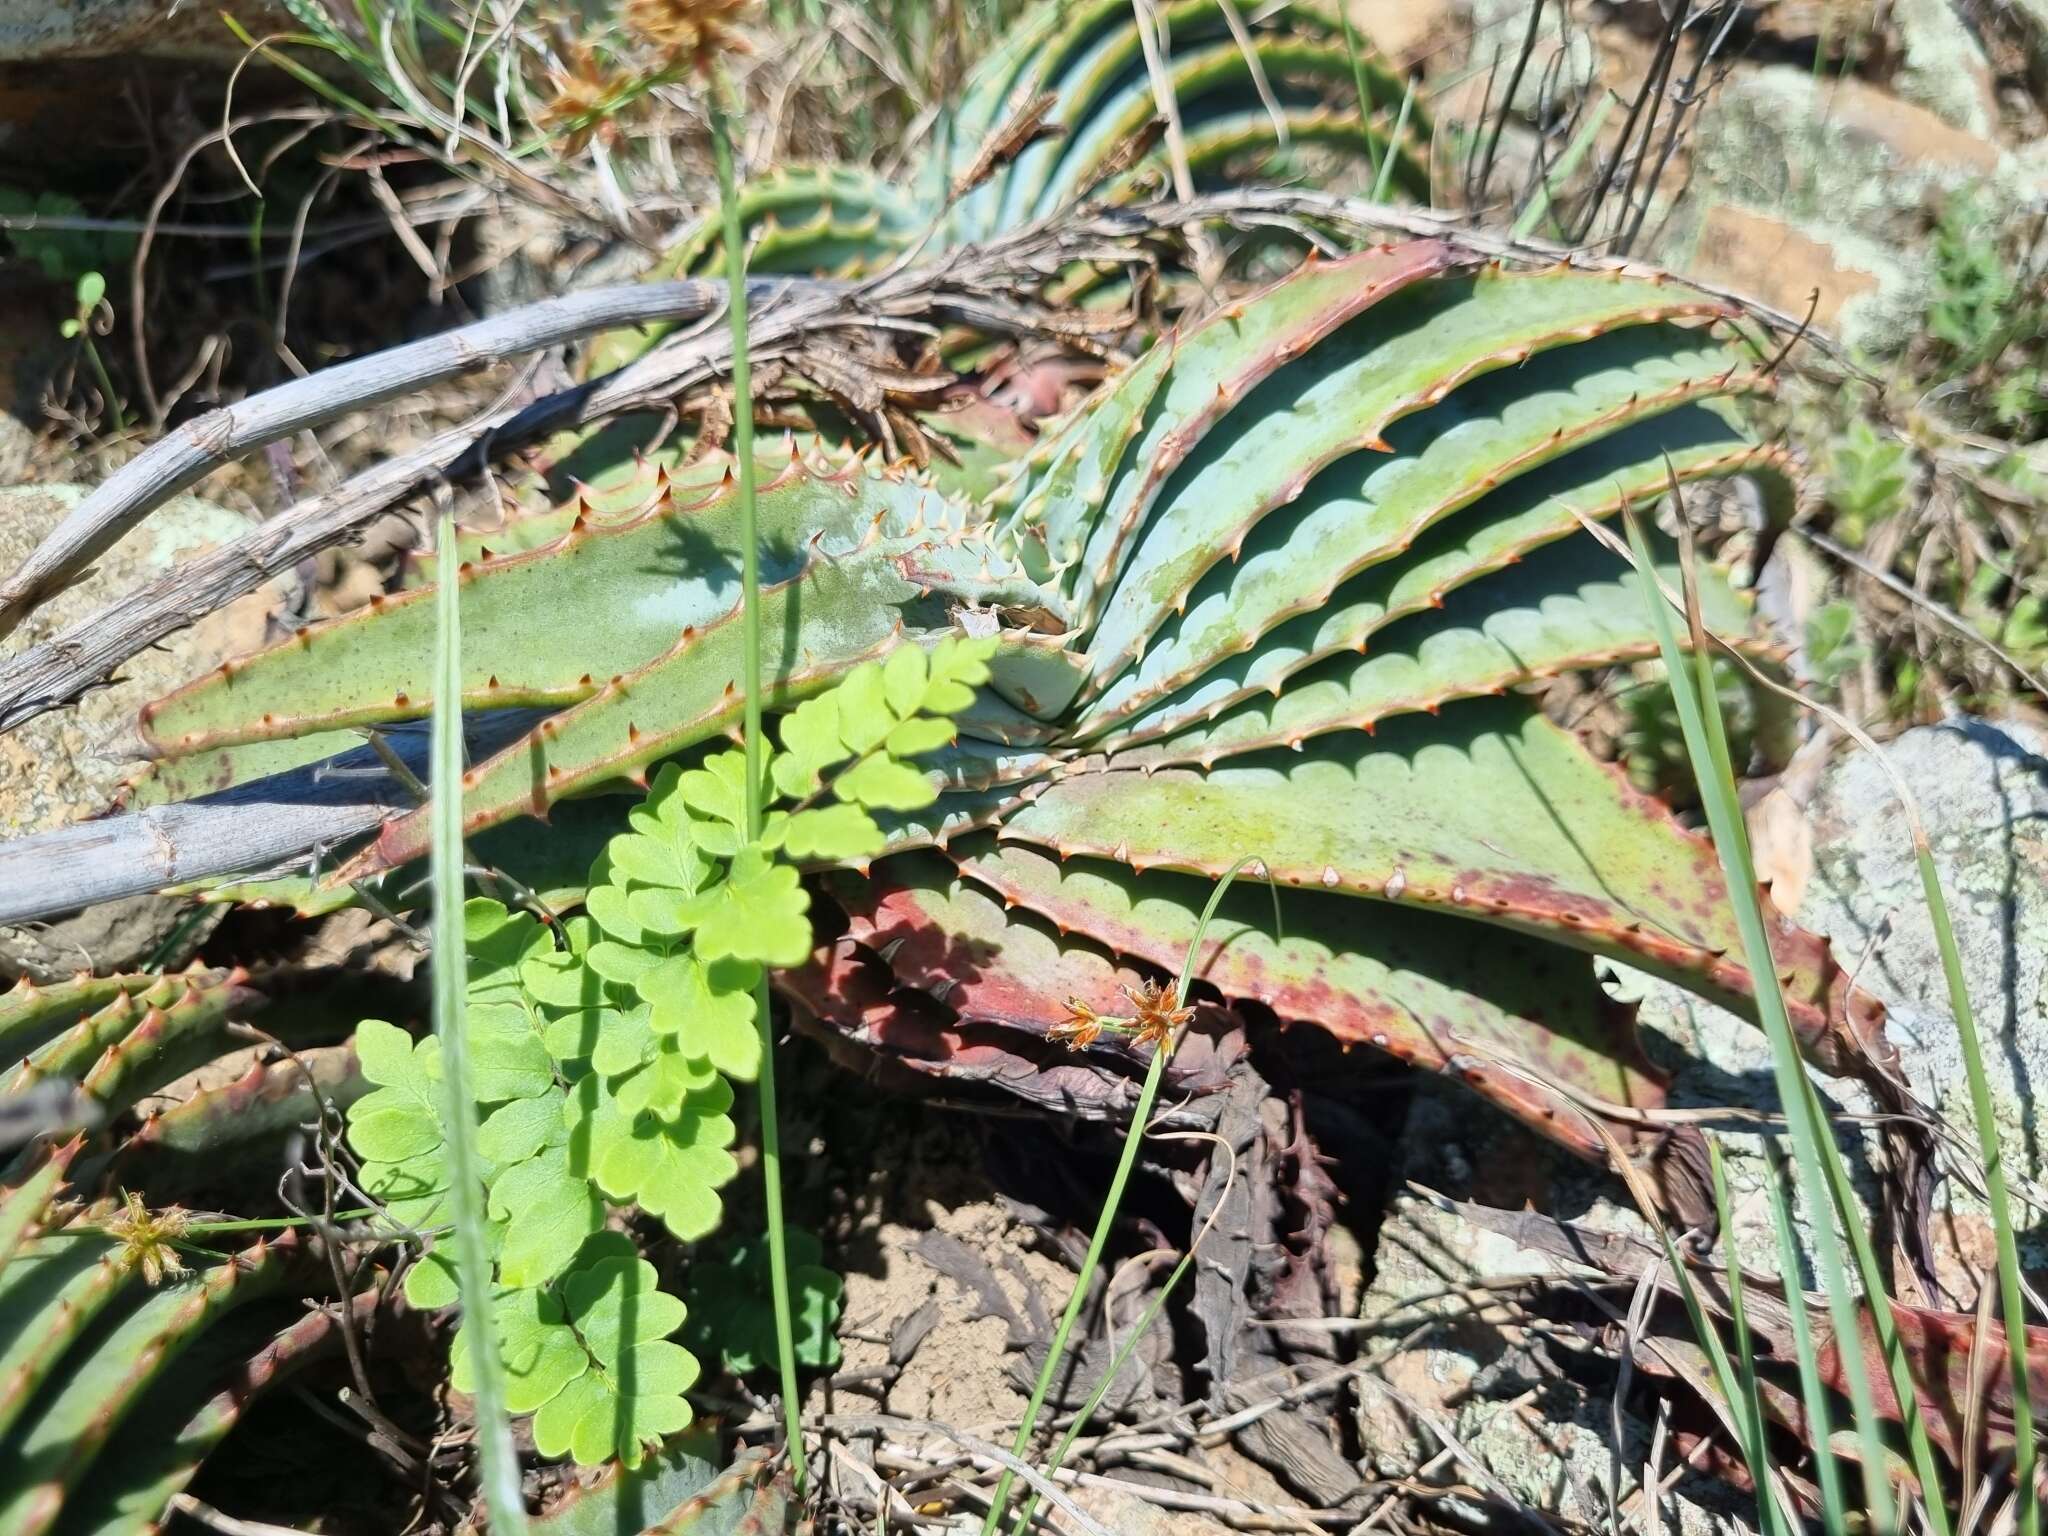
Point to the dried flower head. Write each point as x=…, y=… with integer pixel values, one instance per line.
x=693, y=32
x=148, y=1240
x=1158, y=1012
x=580, y=101
x=1082, y=1025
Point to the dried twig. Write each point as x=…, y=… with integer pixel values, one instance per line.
x=257, y=826
x=194, y=450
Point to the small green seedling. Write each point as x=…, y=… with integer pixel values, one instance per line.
x=90, y=296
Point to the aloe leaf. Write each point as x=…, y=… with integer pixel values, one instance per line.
x=22, y=1207
x=1532, y=511
x=1209, y=83
x=1403, y=354
x=34, y=1013
x=1094, y=66
x=840, y=611
x=218, y=1129
x=1571, y=606
x=602, y=482
x=1070, y=475
x=1488, y=810
x=675, y=1493
x=142, y=1040
x=49, y=1295
x=1416, y=985
x=533, y=640
x=89, y=1397
x=871, y=214
x=956, y=943
x=144, y=1463
x=1575, y=421
x=1221, y=361
x=189, y=775
x=1243, y=143
x=166, y=1044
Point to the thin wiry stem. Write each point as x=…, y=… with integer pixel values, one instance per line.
x=1112, y=1202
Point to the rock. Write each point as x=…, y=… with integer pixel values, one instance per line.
x=1800, y=183
x=17, y=448
x=1944, y=68
x=1983, y=793
x=65, y=766
x=63, y=63
x=1407, y=32
x=37, y=31
x=1761, y=256
x=2033, y=18
x=1543, y=1435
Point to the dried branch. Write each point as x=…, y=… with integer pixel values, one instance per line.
x=266, y=824
x=187, y=455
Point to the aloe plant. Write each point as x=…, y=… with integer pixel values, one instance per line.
x=1272, y=590
x=117, y=1038
x=112, y=1390
x=1076, y=68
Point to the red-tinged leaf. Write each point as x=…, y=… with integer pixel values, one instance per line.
x=1452, y=996
x=1490, y=812
x=906, y=1040
x=1939, y=1348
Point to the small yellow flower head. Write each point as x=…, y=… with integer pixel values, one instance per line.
x=147, y=1241
x=691, y=32
x=1158, y=1016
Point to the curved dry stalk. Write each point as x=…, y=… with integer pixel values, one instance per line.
x=264, y=824
x=187, y=455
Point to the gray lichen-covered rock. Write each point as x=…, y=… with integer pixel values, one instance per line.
x=1801, y=183
x=36, y=31
x=1944, y=68
x=68, y=764
x=1443, y=1297
x=1982, y=788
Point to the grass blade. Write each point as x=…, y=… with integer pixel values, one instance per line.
x=1139, y=1118
x=1834, y=1508
x=1842, y=1192
x=1574, y=152
x=2011, y=1295
x=1394, y=141
x=750, y=576
x=458, y=1110
x=1372, y=149
x=1731, y=842
x=1757, y=1452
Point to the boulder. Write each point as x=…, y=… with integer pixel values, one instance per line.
x=1982, y=788
x=1801, y=183
x=38, y=31
x=66, y=765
